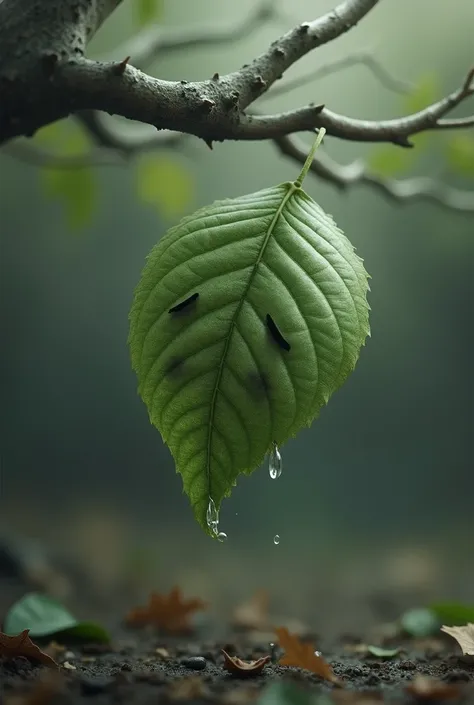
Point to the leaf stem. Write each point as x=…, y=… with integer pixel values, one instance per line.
x=310, y=157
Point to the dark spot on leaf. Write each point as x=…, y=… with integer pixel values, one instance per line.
x=276, y=335
x=184, y=304
x=174, y=366
x=258, y=385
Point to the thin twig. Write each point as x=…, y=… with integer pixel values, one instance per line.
x=357, y=173
x=360, y=58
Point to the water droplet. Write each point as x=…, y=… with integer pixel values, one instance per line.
x=317, y=653
x=212, y=516
x=212, y=519
x=275, y=464
x=276, y=539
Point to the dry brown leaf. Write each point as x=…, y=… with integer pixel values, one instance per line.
x=21, y=645
x=187, y=689
x=171, y=613
x=244, y=668
x=303, y=655
x=252, y=614
x=427, y=688
x=464, y=636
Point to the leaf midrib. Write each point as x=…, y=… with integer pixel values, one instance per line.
x=291, y=190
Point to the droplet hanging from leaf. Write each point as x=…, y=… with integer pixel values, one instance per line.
x=278, y=325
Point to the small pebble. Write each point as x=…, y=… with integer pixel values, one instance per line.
x=197, y=663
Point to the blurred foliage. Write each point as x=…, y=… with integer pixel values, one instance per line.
x=75, y=188
x=420, y=622
x=164, y=183
x=147, y=11
x=460, y=154
x=391, y=160
x=453, y=613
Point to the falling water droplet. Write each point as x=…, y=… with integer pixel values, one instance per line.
x=276, y=539
x=212, y=517
x=275, y=465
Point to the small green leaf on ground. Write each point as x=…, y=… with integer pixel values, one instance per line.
x=44, y=616
x=460, y=154
x=426, y=91
x=166, y=184
x=453, y=613
x=420, y=622
x=379, y=652
x=286, y=694
x=148, y=11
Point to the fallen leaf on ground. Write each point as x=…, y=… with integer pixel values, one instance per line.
x=187, y=689
x=464, y=636
x=21, y=645
x=427, y=688
x=380, y=652
x=252, y=614
x=303, y=655
x=171, y=613
x=244, y=668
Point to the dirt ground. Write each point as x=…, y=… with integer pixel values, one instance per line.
x=143, y=667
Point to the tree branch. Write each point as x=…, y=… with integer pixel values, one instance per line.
x=349, y=175
x=69, y=83
x=151, y=43
x=44, y=76
x=361, y=58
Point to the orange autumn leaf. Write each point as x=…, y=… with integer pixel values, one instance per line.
x=303, y=655
x=244, y=668
x=21, y=645
x=171, y=613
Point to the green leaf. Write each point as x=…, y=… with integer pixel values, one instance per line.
x=460, y=154
x=165, y=184
x=44, y=616
x=288, y=694
x=420, y=622
x=426, y=91
x=390, y=160
x=453, y=614
x=76, y=188
x=77, y=191
x=148, y=11
x=379, y=652
x=222, y=297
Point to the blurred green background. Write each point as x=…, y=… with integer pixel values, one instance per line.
x=377, y=494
